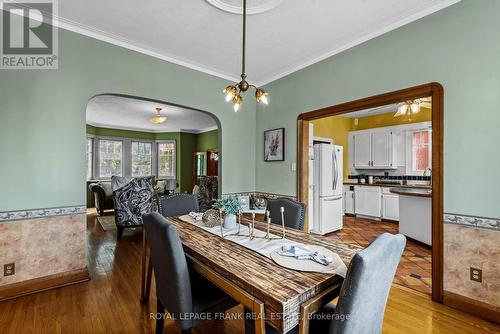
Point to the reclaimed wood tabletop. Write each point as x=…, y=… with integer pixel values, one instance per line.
x=281, y=290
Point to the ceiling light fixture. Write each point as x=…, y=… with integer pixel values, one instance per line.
x=408, y=108
x=234, y=92
x=158, y=118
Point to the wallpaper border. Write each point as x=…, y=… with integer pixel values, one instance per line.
x=6, y=216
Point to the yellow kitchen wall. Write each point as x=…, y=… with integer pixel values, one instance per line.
x=378, y=121
x=337, y=128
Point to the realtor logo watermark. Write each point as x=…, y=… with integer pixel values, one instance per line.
x=29, y=34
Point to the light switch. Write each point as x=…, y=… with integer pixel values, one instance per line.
x=294, y=167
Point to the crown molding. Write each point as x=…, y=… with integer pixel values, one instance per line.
x=126, y=128
x=362, y=39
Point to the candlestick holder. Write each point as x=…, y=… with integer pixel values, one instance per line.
x=252, y=227
x=221, y=224
x=282, y=211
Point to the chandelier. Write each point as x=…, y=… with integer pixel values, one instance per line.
x=234, y=92
x=158, y=118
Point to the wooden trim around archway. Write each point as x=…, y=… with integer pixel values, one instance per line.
x=435, y=91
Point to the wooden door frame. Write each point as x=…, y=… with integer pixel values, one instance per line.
x=434, y=90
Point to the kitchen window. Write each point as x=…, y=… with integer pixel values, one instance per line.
x=166, y=159
x=419, y=151
x=142, y=158
x=110, y=158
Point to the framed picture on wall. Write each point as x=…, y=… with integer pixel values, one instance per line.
x=274, y=145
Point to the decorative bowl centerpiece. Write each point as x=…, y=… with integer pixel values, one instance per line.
x=211, y=218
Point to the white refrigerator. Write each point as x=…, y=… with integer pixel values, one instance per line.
x=327, y=188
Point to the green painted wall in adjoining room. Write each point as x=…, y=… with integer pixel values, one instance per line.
x=207, y=140
x=107, y=132
x=186, y=143
x=49, y=106
x=457, y=47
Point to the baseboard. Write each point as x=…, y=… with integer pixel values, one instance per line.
x=19, y=289
x=468, y=305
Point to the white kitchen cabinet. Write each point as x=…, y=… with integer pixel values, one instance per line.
x=348, y=200
x=382, y=149
x=362, y=150
x=390, y=207
x=373, y=149
x=367, y=201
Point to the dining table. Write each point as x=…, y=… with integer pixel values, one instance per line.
x=280, y=297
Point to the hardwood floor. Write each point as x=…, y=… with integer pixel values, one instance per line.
x=415, y=268
x=109, y=303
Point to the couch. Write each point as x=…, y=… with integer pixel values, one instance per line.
x=103, y=194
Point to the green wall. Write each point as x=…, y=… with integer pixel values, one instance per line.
x=42, y=118
x=461, y=51
x=187, y=144
x=207, y=140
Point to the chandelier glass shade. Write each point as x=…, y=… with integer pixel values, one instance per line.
x=234, y=92
x=158, y=118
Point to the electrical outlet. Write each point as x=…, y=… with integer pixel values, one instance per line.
x=9, y=269
x=476, y=275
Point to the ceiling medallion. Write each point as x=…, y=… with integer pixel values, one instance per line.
x=255, y=7
x=233, y=92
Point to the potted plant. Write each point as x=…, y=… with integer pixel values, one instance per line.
x=230, y=205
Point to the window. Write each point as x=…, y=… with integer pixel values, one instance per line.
x=420, y=151
x=166, y=159
x=141, y=159
x=90, y=142
x=110, y=158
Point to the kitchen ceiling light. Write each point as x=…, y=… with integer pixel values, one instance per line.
x=234, y=92
x=408, y=108
x=158, y=118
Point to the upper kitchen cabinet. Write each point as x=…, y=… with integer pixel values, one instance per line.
x=375, y=149
x=362, y=150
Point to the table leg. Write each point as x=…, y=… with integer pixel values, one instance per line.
x=144, y=263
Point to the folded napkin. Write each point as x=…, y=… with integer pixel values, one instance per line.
x=196, y=215
x=304, y=253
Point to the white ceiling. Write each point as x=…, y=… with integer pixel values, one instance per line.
x=118, y=112
x=391, y=108
x=284, y=37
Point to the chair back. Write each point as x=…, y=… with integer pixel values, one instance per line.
x=363, y=296
x=177, y=204
x=295, y=212
x=173, y=283
x=132, y=200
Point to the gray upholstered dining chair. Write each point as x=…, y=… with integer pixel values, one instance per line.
x=186, y=295
x=363, y=296
x=295, y=212
x=177, y=204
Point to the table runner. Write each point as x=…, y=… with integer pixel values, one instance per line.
x=266, y=246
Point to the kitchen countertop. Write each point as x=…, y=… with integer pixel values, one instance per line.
x=410, y=186
x=412, y=192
